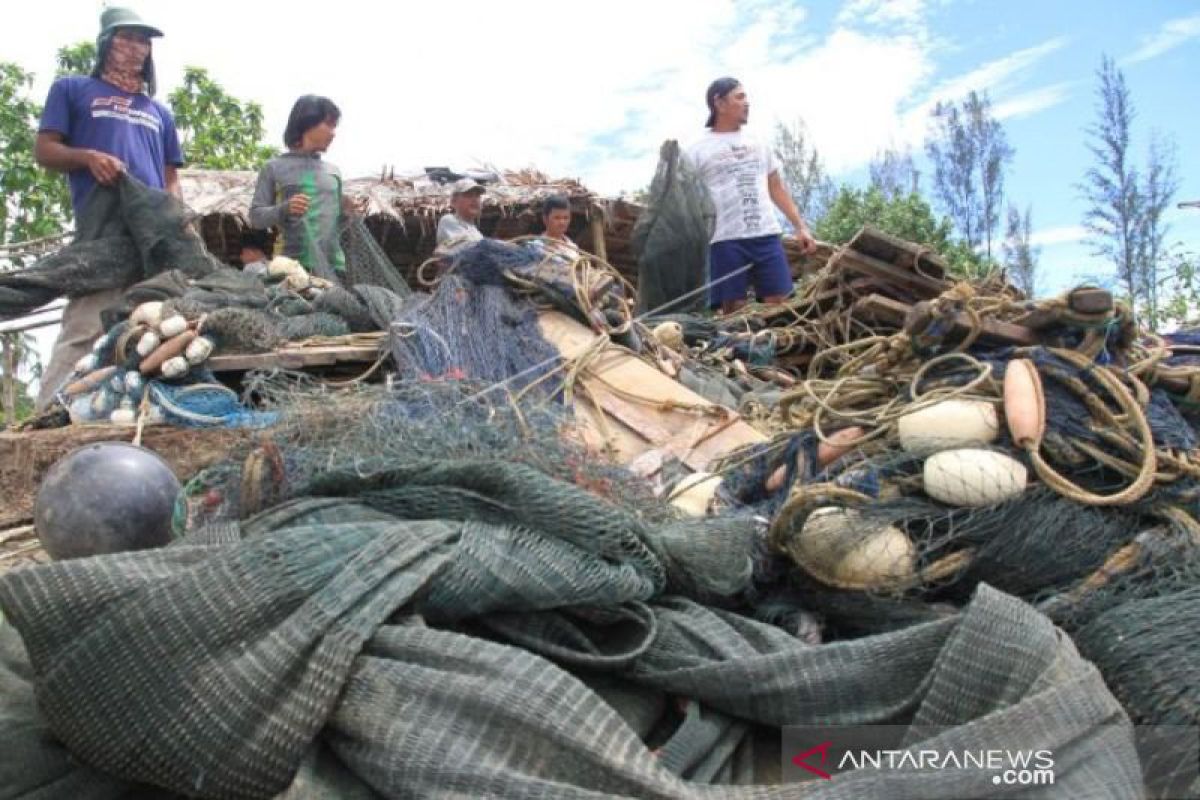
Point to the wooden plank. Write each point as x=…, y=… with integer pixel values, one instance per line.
x=871, y=241
x=294, y=358
x=924, y=287
x=647, y=402
x=892, y=312
x=1084, y=300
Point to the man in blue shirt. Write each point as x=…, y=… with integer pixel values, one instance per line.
x=94, y=128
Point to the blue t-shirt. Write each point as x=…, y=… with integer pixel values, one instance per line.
x=93, y=114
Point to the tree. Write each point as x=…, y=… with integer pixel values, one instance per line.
x=1158, y=187
x=803, y=171
x=909, y=217
x=1020, y=256
x=970, y=152
x=18, y=352
x=36, y=202
x=1111, y=184
x=216, y=130
x=894, y=173
x=76, y=59
x=1180, y=289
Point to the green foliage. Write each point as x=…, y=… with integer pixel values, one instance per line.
x=217, y=131
x=76, y=59
x=894, y=173
x=803, y=171
x=969, y=152
x=1180, y=290
x=907, y=216
x=16, y=400
x=1020, y=254
x=36, y=203
x=1125, y=218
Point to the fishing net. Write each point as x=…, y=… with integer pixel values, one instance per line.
x=126, y=233
x=366, y=262
x=480, y=332
x=459, y=556
x=671, y=237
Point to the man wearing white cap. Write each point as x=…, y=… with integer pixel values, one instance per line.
x=461, y=226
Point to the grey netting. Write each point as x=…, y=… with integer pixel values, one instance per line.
x=346, y=305
x=214, y=671
x=127, y=233
x=366, y=263
x=671, y=236
x=476, y=331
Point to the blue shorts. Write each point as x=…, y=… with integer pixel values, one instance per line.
x=769, y=270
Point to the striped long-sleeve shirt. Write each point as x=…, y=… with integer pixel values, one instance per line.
x=310, y=238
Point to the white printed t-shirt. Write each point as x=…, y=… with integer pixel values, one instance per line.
x=734, y=167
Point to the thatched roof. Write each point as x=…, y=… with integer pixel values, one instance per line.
x=398, y=197
x=402, y=211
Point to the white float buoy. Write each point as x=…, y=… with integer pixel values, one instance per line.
x=198, y=350
x=149, y=313
x=948, y=425
x=973, y=478
x=837, y=545
x=175, y=367
x=172, y=326
x=147, y=343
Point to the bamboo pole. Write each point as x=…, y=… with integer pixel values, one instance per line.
x=10, y=380
x=599, y=246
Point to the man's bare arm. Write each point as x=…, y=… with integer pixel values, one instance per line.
x=171, y=180
x=52, y=152
x=781, y=198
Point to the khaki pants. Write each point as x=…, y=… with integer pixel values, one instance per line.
x=80, y=329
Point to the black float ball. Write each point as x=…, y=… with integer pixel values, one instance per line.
x=107, y=497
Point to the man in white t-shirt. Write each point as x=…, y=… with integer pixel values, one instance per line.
x=742, y=176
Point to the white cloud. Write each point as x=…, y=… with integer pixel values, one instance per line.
x=996, y=74
x=1063, y=234
x=1031, y=102
x=1172, y=34
x=882, y=12
x=587, y=95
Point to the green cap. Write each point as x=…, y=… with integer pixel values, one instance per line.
x=113, y=18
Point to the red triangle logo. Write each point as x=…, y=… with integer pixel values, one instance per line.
x=801, y=760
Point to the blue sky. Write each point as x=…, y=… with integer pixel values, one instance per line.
x=591, y=91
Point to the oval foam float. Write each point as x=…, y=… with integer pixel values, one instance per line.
x=947, y=425
x=149, y=313
x=840, y=547
x=669, y=334
x=175, y=367
x=172, y=326
x=973, y=478
x=1024, y=403
x=838, y=445
x=147, y=343
x=198, y=350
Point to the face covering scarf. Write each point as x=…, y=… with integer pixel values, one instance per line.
x=126, y=59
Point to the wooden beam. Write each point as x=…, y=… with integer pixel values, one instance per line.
x=893, y=312
x=924, y=287
x=1084, y=300
x=295, y=358
x=599, y=246
x=872, y=241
